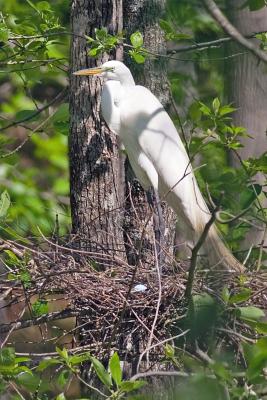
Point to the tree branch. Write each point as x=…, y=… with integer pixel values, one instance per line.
x=200, y=242
x=232, y=31
x=36, y=321
x=60, y=96
x=211, y=43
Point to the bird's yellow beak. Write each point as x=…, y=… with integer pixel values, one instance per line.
x=89, y=71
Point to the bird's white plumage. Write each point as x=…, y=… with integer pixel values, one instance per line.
x=110, y=101
x=157, y=154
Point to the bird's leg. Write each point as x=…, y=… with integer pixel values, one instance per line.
x=159, y=225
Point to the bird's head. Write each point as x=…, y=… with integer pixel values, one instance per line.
x=110, y=70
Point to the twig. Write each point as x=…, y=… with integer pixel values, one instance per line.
x=234, y=218
x=90, y=386
x=22, y=62
x=17, y=390
x=60, y=96
x=211, y=43
x=261, y=249
x=231, y=332
x=12, y=328
x=195, y=250
x=10, y=153
x=160, y=344
x=232, y=31
x=159, y=373
x=44, y=318
x=157, y=309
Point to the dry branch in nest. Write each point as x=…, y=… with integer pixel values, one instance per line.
x=111, y=313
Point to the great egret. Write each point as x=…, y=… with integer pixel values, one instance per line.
x=157, y=154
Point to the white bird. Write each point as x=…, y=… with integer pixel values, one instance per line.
x=157, y=155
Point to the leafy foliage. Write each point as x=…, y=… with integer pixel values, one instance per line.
x=34, y=41
x=35, y=176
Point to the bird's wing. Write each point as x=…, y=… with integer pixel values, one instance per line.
x=148, y=129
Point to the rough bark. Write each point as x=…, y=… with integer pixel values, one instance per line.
x=95, y=179
x=143, y=16
x=247, y=89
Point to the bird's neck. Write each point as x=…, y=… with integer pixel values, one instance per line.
x=127, y=80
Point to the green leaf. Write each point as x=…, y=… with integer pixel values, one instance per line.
x=4, y=33
x=225, y=294
x=181, y=36
x=32, y=5
x=194, y=112
x=216, y=105
x=61, y=396
x=101, y=34
x=250, y=313
x=204, y=109
x=73, y=360
x=169, y=351
x=63, y=353
x=129, y=386
x=249, y=195
x=43, y=6
x=102, y=374
x=63, y=377
x=226, y=110
x=256, y=358
x=221, y=371
x=136, y=39
x=26, y=114
x=7, y=356
x=21, y=359
x=4, y=204
x=254, y=5
x=62, y=113
x=47, y=362
x=25, y=278
x=115, y=368
x=12, y=258
x=165, y=26
x=243, y=295
x=138, y=57
x=261, y=327
x=40, y=307
x=94, y=51
x=29, y=381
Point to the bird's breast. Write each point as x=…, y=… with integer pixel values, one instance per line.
x=110, y=102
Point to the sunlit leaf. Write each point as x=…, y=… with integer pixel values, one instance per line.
x=40, y=307
x=250, y=313
x=136, y=39
x=4, y=204
x=101, y=372
x=115, y=368
x=243, y=295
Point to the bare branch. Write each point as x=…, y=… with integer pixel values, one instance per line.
x=40, y=320
x=195, y=250
x=60, y=96
x=232, y=31
x=210, y=44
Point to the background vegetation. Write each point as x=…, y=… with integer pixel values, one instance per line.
x=34, y=119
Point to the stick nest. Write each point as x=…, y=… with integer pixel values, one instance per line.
x=117, y=306
x=112, y=311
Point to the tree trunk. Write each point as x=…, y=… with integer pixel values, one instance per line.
x=247, y=83
x=95, y=172
x=143, y=16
